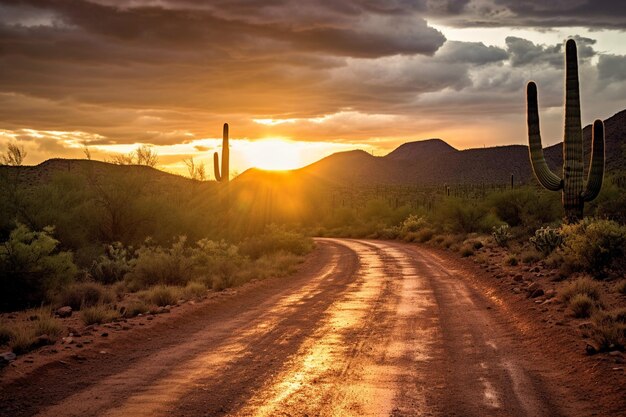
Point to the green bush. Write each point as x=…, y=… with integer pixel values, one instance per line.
x=463, y=216
x=547, y=239
x=156, y=265
x=113, y=265
x=593, y=245
x=85, y=294
x=527, y=207
x=31, y=268
x=413, y=223
x=275, y=239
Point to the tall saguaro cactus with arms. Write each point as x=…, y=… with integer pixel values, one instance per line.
x=224, y=176
x=575, y=192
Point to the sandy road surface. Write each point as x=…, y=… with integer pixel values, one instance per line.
x=366, y=328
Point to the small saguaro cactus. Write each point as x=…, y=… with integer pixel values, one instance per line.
x=574, y=192
x=224, y=176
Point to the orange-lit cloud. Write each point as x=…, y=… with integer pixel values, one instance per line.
x=115, y=74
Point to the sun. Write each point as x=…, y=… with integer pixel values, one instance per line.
x=274, y=154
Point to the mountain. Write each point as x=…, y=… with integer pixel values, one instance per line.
x=433, y=161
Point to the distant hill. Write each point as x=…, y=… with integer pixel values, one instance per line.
x=433, y=161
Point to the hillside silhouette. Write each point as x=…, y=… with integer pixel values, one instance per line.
x=433, y=161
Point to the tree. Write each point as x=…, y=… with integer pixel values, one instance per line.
x=146, y=156
x=14, y=155
x=196, y=172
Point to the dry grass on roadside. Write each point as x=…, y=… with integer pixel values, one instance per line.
x=98, y=314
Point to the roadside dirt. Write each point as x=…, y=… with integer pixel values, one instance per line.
x=365, y=328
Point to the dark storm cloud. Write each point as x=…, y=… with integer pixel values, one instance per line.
x=612, y=67
x=470, y=52
x=524, y=52
x=165, y=72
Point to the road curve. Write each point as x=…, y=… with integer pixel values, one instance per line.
x=366, y=328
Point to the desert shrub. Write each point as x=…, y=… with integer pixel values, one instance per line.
x=275, y=239
x=85, y=294
x=211, y=260
x=31, y=268
x=526, y=207
x=501, y=235
x=113, y=265
x=547, y=239
x=157, y=265
x=424, y=235
x=621, y=287
x=272, y=265
x=609, y=333
x=464, y=217
x=466, y=250
x=530, y=256
x=583, y=285
x=511, y=260
x=135, y=308
x=163, y=295
x=194, y=290
x=593, y=245
x=388, y=233
x=581, y=305
x=98, y=314
x=413, y=223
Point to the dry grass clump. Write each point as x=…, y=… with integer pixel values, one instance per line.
x=162, y=295
x=511, y=260
x=466, y=250
x=85, y=294
x=98, y=314
x=583, y=285
x=135, y=308
x=530, y=256
x=194, y=290
x=621, y=287
x=582, y=306
x=609, y=329
x=22, y=337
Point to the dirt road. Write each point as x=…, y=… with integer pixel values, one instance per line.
x=366, y=328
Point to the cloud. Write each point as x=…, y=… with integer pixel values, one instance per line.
x=471, y=52
x=524, y=52
x=169, y=73
x=591, y=14
x=612, y=68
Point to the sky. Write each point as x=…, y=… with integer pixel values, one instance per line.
x=296, y=80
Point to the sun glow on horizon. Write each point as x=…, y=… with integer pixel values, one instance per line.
x=275, y=154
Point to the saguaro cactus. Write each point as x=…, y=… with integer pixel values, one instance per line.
x=224, y=176
x=574, y=191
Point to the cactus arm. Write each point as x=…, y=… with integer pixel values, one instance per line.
x=225, y=154
x=596, y=169
x=546, y=177
x=216, y=167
